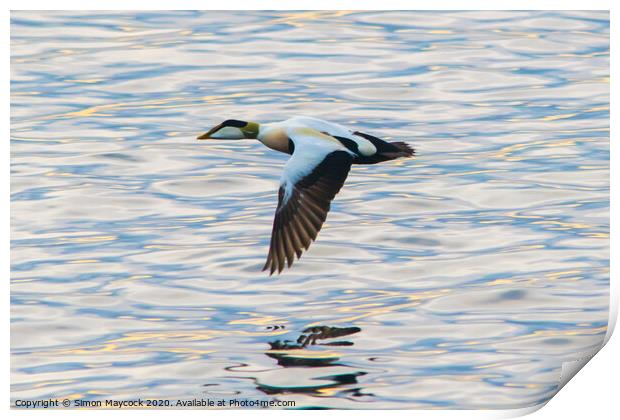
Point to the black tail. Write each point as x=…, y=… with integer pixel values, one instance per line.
x=385, y=150
x=403, y=150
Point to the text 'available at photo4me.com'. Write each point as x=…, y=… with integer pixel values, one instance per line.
x=154, y=403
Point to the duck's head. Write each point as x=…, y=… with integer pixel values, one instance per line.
x=232, y=130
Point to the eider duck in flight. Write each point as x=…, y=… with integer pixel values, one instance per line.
x=321, y=155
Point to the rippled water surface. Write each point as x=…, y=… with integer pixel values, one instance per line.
x=471, y=271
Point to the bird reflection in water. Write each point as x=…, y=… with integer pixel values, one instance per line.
x=311, y=335
x=311, y=368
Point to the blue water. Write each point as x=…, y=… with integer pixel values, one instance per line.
x=471, y=271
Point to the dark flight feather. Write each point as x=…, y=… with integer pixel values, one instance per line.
x=299, y=219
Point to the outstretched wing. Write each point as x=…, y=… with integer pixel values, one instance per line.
x=312, y=177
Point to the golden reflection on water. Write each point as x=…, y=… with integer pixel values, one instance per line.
x=300, y=19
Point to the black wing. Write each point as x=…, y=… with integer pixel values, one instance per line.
x=300, y=216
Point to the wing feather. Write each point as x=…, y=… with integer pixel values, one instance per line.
x=303, y=204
